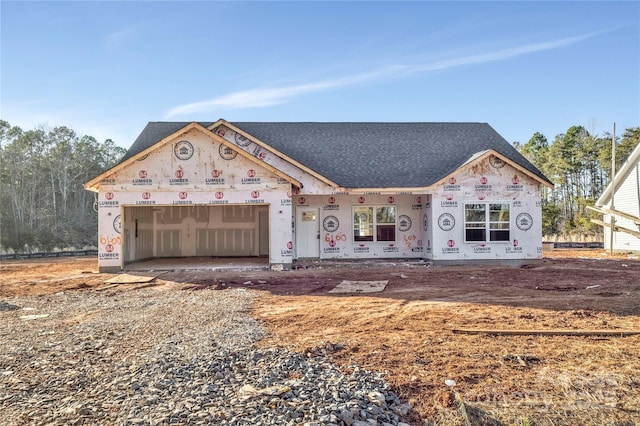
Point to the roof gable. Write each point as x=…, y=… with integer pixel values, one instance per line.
x=153, y=133
x=493, y=156
x=143, y=146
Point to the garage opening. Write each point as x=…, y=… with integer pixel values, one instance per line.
x=151, y=232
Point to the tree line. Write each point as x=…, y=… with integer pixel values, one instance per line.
x=580, y=166
x=42, y=198
x=43, y=204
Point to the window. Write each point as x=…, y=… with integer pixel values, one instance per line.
x=480, y=217
x=374, y=223
x=475, y=222
x=499, y=222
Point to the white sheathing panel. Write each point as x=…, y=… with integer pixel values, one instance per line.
x=182, y=182
x=486, y=181
x=627, y=200
x=311, y=184
x=337, y=225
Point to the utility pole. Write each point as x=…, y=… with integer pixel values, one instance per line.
x=613, y=189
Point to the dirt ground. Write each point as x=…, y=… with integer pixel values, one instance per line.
x=408, y=332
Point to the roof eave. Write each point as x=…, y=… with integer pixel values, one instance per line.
x=384, y=190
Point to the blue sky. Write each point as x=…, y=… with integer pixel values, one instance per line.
x=107, y=68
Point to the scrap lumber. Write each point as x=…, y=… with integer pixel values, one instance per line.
x=616, y=228
x=607, y=211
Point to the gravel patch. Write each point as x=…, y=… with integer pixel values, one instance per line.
x=150, y=356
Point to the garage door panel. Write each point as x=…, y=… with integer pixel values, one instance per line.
x=183, y=231
x=168, y=243
x=226, y=242
x=144, y=244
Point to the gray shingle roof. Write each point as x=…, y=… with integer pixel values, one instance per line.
x=368, y=155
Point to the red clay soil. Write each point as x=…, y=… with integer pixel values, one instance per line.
x=406, y=332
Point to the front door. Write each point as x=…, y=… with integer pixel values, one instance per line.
x=307, y=232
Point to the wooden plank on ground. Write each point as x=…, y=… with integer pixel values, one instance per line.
x=360, y=286
x=132, y=279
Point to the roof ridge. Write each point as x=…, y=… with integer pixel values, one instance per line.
x=366, y=154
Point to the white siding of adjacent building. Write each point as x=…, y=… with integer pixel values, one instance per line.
x=627, y=200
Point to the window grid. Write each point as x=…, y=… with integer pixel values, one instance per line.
x=482, y=216
x=374, y=223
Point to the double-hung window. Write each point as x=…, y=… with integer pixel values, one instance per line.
x=374, y=223
x=486, y=222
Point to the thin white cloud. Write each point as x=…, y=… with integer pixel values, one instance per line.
x=273, y=96
x=501, y=54
x=119, y=38
x=264, y=97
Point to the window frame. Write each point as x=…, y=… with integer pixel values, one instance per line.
x=375, y=228
x=491, y=221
